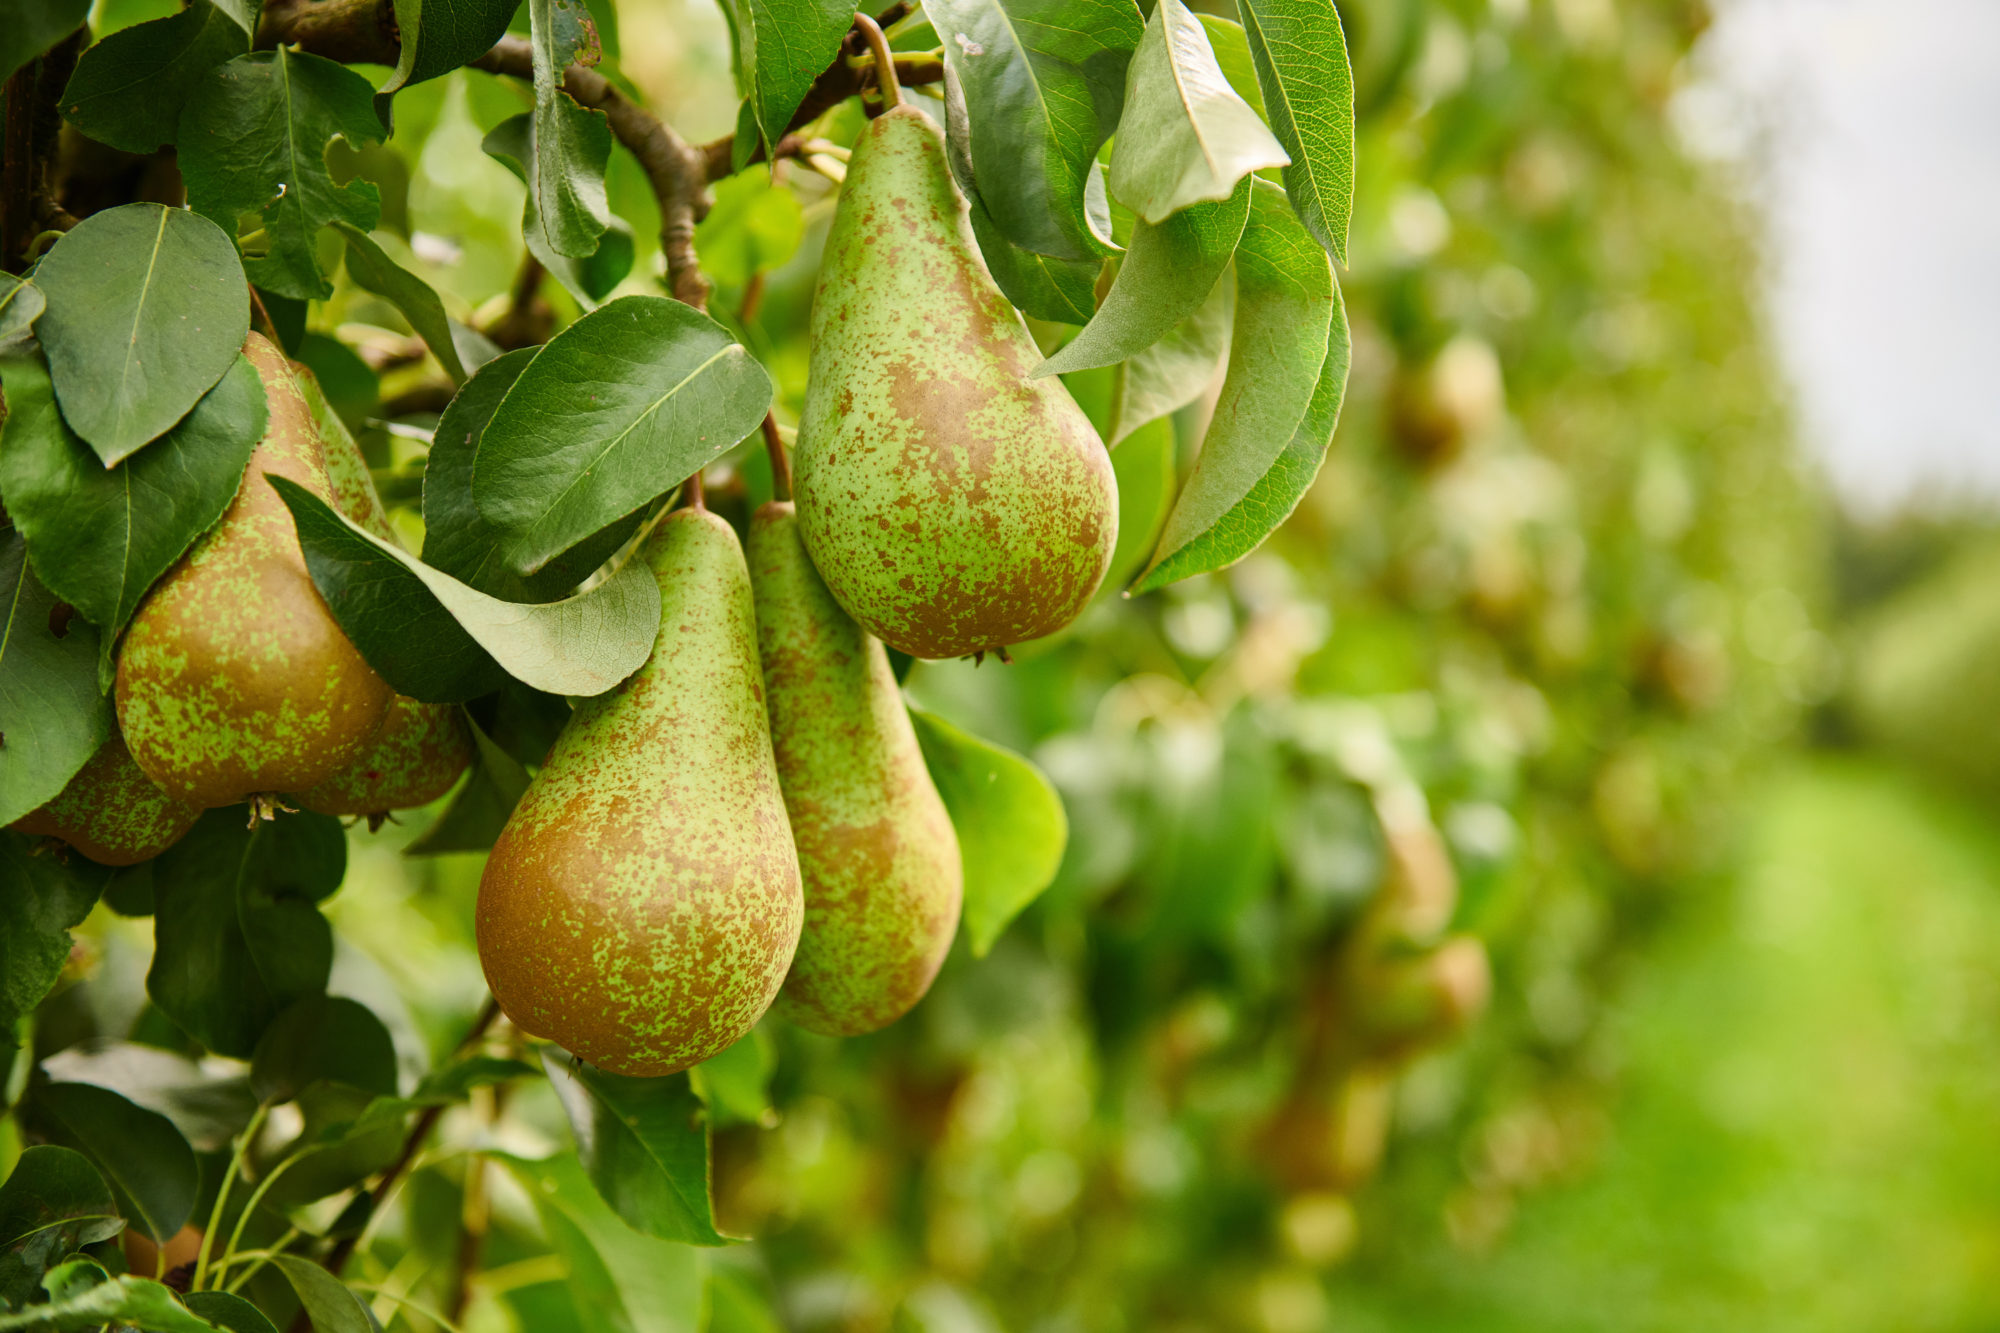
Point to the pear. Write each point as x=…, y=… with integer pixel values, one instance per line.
x=422, y=747
x=111, y=812
x=642, y=904
x=952, y=504
x=877, y=852
x=234, y=679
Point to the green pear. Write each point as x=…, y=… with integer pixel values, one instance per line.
x=952, y=504
x=642, y=904
x=111, y=812
x=877, y=852
x=234, y=679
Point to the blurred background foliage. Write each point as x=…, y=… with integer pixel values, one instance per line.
x=1548, y=887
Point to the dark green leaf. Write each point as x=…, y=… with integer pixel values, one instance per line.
x=243, y=13
x=331, y=1305
x=227, y=1311
x=1285, y=301
x=473, y=820
x=781, y=46
x=440, y=35
x=253, y=140
x=628, y=1282
x=21, y=304
x=83, y=1298
x=1301, y=59
x=1010, y=822
x=644, y=1142
x=1174, y=371
x=376, y=272
x=41, y=899
x=755, y=226
x=736, y=1085
x=150, y=1166
x=53, y=1203
x=208, y=1108
x=52, y=719
x=128, y=89
x=1278, y=492
x=1185, y=137
x=1168, y=271
x=350, y=387
x=323, y=1038
x=455, y=1082
x=236, y=936
x=147, y=309
x=33, y=26
x=437, y=640
x=1043, y=82
x=589, y=279
x=100, y=538
x=617, y=410
x=571, y=145
x=349, y=1135
x=1063, y=291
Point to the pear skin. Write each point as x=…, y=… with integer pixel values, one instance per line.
x=111, y=812
x=234, y=678
x=642, y=904
x=952, y=504
x=421, y=750
x=877, y=852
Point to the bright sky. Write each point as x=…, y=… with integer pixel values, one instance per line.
x=1874, y=127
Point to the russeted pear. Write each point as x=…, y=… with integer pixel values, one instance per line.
x=952, y=504
x=111, y=812
x=422, y=747
x=877, y=852
x=642, y=904
x=234, y=679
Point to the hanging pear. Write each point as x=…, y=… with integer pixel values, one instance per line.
x=877, y=852
x=422, y=747
x=111, y=812
x=234, y=679
x=642, y=904
x=952, y=504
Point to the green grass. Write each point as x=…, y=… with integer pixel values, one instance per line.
x=1808, y=1131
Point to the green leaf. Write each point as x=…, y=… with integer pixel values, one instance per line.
x=52, y=719
x=1042, y=82
x=147, y=309
x=781, y=46
x=53, y=1203
x=100, y=538
x=614, y=412
x=455, y=1082
x=1186, y=137
x=369, y=266
x=754, y=227
x=1285, y=301
x=1063, y=291
x=33, y=26
x=253, y=140
x=243, y=13
x=150, y=1166
x=591, y=278
x=349, y=1135
x=1277, y=493
x=440, y=35
x=437, y=640
x=323, y=1038
x=1168, y=271
x=41, y=900
x=1232, y=57
x=572, y=146
x=644, y=1142
x=1301, y=59
x=1144, y=465
x=1174, y=371
x=736, y=1085
x=208, y=1107
x=624, y=1281
x=21, y=304
x=738, y=1304
x=473, y=820
x=83, y=1297
x=228, y=1311
x=331, y=1305
x=1010, y=822
x=128, y=89
x=236, y=936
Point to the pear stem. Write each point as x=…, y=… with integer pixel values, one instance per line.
x=697, y=498
x=781, y=468
x=885, y=62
